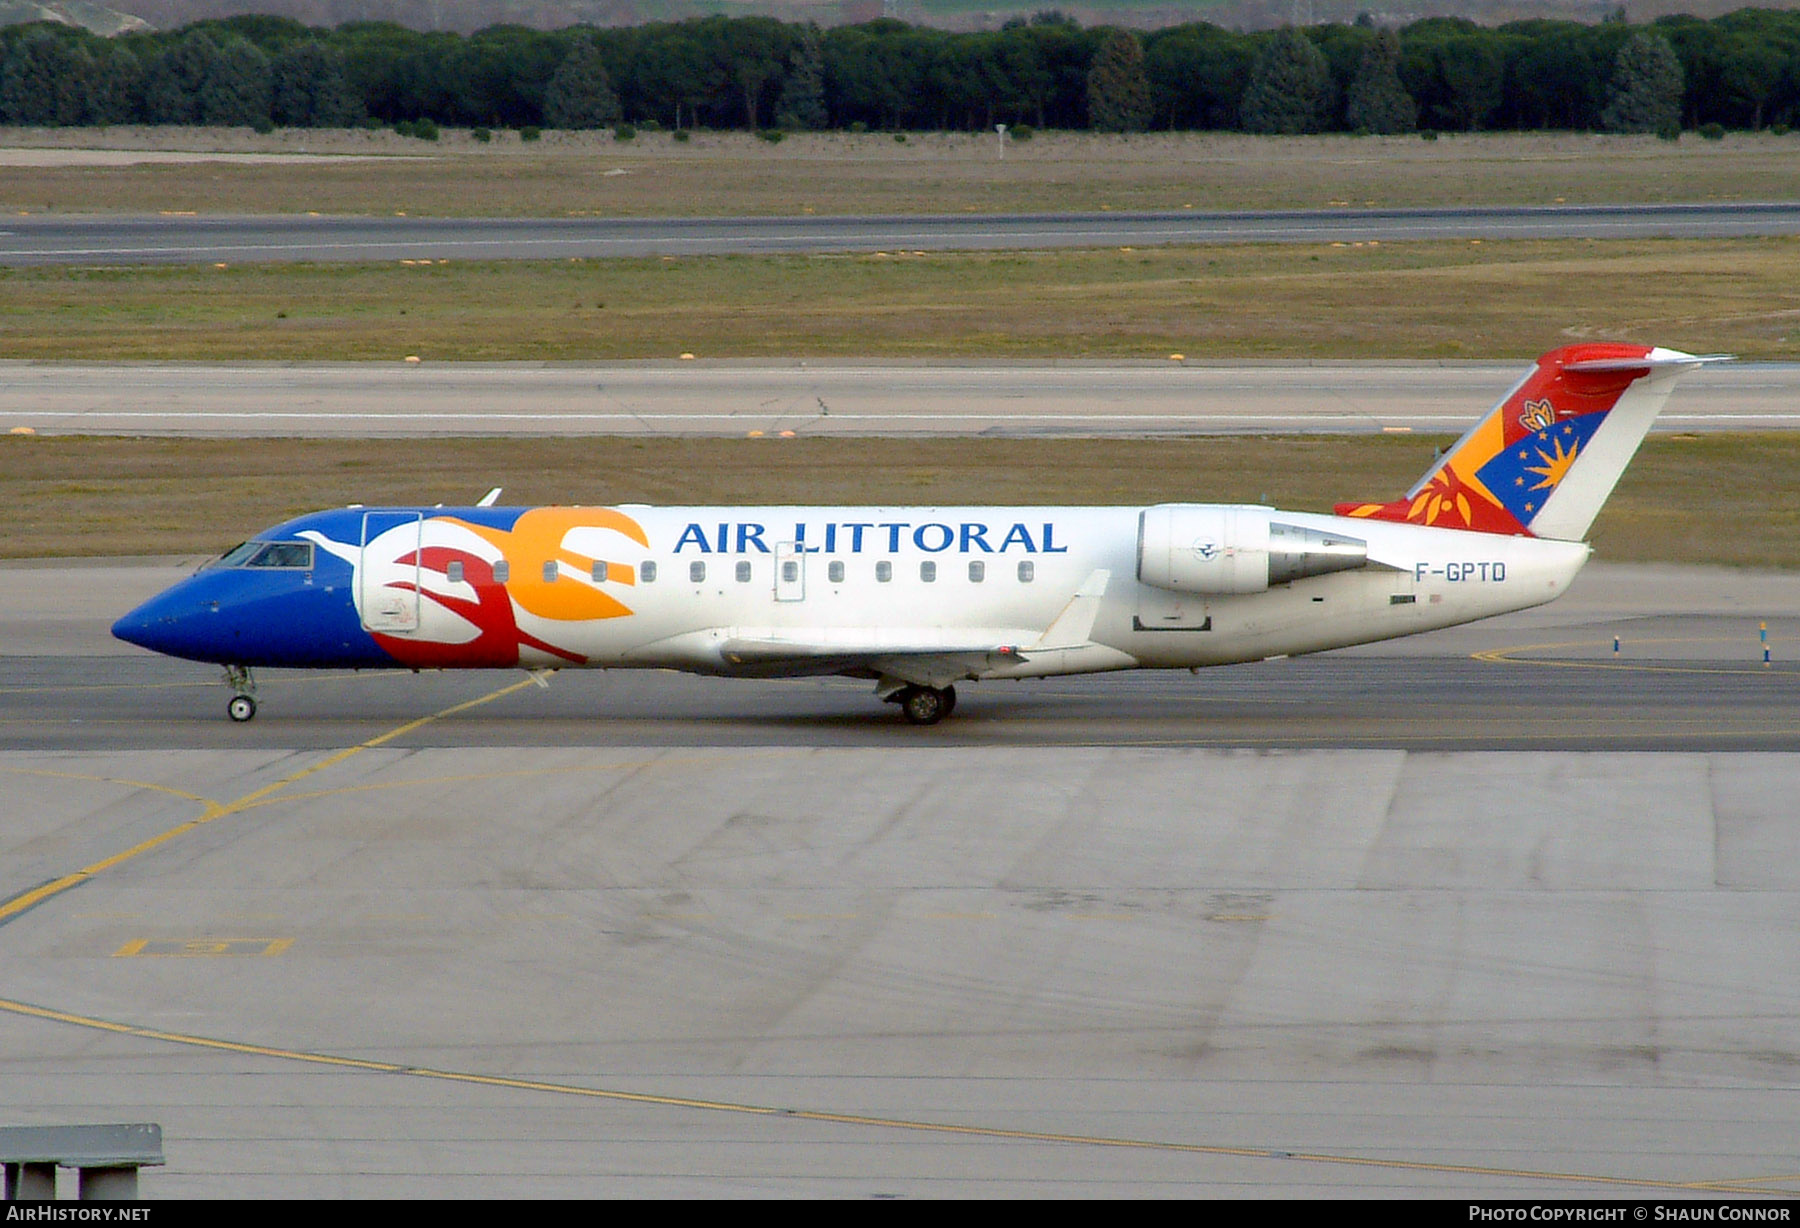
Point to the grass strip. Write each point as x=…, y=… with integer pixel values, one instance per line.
x=728, y=174
x=1442, y=299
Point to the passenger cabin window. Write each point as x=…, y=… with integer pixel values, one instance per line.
x=884, y=571
x=502, y=572
x=743, y=572
x=835, y=571
x=550, y=572
x=697, y=572
x=790, y=571
x=453, y=571
x=977, y=571
x=599, y=571
x=647, y=571
x=1027, y=572
x=928, y=571
x=271, y=554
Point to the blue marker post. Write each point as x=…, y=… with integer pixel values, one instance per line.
x=1615, y=648
x=1763, y=633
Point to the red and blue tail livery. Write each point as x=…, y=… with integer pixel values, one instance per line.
x=1547, y=456
x=918, y=599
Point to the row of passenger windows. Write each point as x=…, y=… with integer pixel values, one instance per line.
x=299, y=555
x=455, y=572
x=834, y=571
x=790, y=571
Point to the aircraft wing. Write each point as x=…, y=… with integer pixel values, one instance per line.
x=924, y=656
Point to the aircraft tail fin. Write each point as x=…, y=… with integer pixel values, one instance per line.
x=1544, y=460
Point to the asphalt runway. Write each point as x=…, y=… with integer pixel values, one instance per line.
x=816, y=398
x=1488, y=913
x=1679, y=683
x=1687, y=674
x=169, y=239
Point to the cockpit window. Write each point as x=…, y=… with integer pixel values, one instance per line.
x=284, y=554
x=269, y=554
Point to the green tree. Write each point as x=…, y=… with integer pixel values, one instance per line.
x=173, y=79
x=310, y=87
x=969, y=86
x=580, y=93
x=1455, y=70
x=672, y=69
x=1749, y=76
x=1118, y=90
x=1016, y=83
x=802, y=101
x=496, y=77
x=1198, y=74
x=1473, y=71
x=118, y=93
x=45, y=80
x=1646, y=86
x=235, y=90
x=1558, y=78
x=1377, y=102
x=751, y=52
x=864, y=80
x=378, y=58
x=1290, y=86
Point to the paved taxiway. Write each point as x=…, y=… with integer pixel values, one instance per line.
x=172, y=239
x=1368, y=923
x=814, y=398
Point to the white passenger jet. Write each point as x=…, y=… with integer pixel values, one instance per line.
x=921, y=598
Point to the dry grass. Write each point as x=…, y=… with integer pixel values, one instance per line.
x=1411, y=300
x=732, y=173
x=1718, y=499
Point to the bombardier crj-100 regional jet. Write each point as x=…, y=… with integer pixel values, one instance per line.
x=920, y=598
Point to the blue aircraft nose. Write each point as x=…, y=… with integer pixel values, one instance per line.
x=134, y=628
x=249, y=616
x=162, y=624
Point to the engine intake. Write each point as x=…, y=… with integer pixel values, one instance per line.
x=1229, y=548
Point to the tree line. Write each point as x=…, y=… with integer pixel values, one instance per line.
x=1741, y=70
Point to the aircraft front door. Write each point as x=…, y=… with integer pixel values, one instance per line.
x=387, y=573
x=790, y=573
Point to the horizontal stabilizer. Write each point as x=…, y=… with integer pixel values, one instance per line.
x=1655, y=358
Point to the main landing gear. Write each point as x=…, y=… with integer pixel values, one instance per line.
x=242, y=706
x=925, y=705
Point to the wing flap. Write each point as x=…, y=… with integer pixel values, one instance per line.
x=924, y=657
x=856, y=643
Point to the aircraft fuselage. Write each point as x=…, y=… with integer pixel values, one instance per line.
x=798, y=590
x=919, y=598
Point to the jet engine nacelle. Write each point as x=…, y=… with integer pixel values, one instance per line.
x=1234, y=548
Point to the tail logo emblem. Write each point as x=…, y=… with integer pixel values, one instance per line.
x=1539, y=415
x=1554, y=468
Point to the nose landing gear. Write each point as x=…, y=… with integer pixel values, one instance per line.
x=242, y=705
